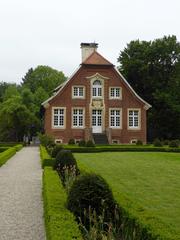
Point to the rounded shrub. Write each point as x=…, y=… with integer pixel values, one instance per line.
x=91, y=191
x=65, y=161
x=166, y=142
x=157, y=143
x=139, y=143
x=174, y=143
x=55, y=150
x=90, y=144
x=71, y=141
x=82, y=143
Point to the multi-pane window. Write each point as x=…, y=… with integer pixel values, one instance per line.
x=78, y=92
x=115, y=118
x=97, y=89
x=96, y=117
x=58, y=117
x=115, y=92
x=133, y=118
x=78, y=118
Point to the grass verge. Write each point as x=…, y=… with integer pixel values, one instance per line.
x=145, y=185
x=60, y=223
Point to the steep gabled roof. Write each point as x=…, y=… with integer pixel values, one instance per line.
x=96, y=59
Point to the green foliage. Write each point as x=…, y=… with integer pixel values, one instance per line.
x=174, y=143
x=3, y=87
x=65, y=160
x=55, y=150
x=11, y=91
x=5, y=155
x=157, y=143
x=90, y=144
x=46, y=140
x=166, y=142
x=15, y=119
x=18, y=147
x=91, y=191
x=82, y=143
x=153, y=70
x=44, y=77
x=71, y=141
x=139, y=143
x=121, y=148
x=60, y=223
x=46, y=159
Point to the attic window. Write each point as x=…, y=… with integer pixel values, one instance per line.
x=78, y=91
x=115, y=93
x=97, y=89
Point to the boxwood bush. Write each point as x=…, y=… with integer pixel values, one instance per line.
x=46, y=159
x=56, y=150
x=60, y=223
x=5, y=155
x=91, y=191
x=174, y=143
x=65, y=161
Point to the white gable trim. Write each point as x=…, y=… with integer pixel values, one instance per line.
x=62, y=85
x=147, y=105
x=97, y=76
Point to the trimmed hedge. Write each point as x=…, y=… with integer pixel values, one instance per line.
x=18, y=147
x=120, y=149
x=60, y=222
x=46, y=159
x=2, y=149
x=4, y=156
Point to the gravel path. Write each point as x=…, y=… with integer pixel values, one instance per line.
x=21, y=207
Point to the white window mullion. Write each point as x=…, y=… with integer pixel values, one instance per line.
x=58, y=117
x=78, y=118
x=115, y=118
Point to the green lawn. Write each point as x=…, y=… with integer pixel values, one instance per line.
x=147, y=184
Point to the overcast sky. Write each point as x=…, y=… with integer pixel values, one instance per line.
x=44, y=32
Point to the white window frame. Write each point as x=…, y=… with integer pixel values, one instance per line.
x=115, y=141
x=78, y=96
x=58, y=141
x=115, y=97
x=78, y=115
x=133, y=141
x=97, y=89
x=64, y=118
x=133, y=116
x=115, y=116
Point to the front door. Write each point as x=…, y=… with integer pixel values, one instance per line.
x=96, y=121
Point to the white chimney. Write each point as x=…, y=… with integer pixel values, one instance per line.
x=87, y=49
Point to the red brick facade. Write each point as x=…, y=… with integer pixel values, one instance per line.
x=109, y=77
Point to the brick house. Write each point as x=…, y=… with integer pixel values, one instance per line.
x=95, y=103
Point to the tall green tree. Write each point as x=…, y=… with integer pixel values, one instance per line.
x=152, y=68
x=43, y=76
x=16, y=120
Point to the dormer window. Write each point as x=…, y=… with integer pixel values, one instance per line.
x=97, y=89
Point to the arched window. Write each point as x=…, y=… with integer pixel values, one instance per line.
x=97, y=89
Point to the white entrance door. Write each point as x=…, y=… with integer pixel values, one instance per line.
x=96, y=121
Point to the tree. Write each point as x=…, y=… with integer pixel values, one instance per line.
x=43, y=76
x=152, y=68
x=16, y=119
